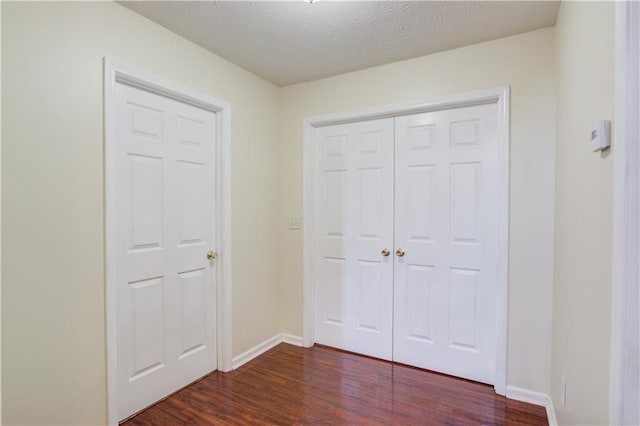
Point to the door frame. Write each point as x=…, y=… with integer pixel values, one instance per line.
x=498, y=96
x=117, y=73
x=625, y=300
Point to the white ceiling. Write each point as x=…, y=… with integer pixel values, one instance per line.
x=290, y=42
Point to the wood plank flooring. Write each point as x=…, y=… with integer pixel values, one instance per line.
x=319, y=385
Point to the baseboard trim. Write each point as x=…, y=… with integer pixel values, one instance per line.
x=536, y=398
x=551, y=414
x=261, y=348
x=291, y=339
x=256, y=351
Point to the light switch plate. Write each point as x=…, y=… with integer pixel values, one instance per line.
x=294, y=223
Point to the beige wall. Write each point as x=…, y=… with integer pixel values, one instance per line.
x=53, y=349
x=527, y=64
x=582, y=287
x=53, y=342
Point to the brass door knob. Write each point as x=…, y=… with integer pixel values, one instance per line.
x=385, y=252
x=211, y=255
x=399, y=252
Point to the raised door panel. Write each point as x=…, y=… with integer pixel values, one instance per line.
x=192, y=205
x=370, y=287
x=334, y=300
x=463, y=298
x=335, y=203
x=419, y=303
x=147, y=202
x=147, y=331
x=192, y=132
x=464, y=190
x=420, y=203
x=146, y=121
x=370, y=207
x=193, y=312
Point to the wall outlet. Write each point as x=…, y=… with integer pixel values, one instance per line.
x=564, y=392
x=294, y=223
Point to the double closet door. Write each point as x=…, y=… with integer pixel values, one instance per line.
x=406, y=239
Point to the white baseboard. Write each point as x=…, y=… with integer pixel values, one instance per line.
x=551, y=414
x=291, y=339
x=261, y=348
x=536, y=398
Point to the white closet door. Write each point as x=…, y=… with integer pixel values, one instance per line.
x=446, y=223
x=165, y=225
x=354, y=216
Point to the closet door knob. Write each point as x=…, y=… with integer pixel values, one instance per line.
x=399, y=252
x=385, y=252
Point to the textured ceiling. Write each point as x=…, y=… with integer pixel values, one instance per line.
x=295, y=41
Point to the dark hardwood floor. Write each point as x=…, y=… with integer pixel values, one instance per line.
x=319, y=385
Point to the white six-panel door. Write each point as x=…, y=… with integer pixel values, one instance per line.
x=424, y=187
x=165, y=226
x=355, y=223
x=446, y=223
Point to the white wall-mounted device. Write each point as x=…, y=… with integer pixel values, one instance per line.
x=600, y=136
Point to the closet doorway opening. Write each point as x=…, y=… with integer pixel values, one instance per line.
x=406, y=238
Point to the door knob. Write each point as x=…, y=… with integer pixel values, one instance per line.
x=211, y=255
x=399, y=252
x=385, y=252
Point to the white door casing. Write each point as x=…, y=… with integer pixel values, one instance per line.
x=167, y=203
x=499, y=99
x=446, y=224
x=624, y=385
x=355, y=192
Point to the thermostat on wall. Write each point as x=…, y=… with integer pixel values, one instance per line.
x=600, y=136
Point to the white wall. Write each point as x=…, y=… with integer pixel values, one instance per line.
x=527, y=64
x=582, y=287
x=53, y=341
